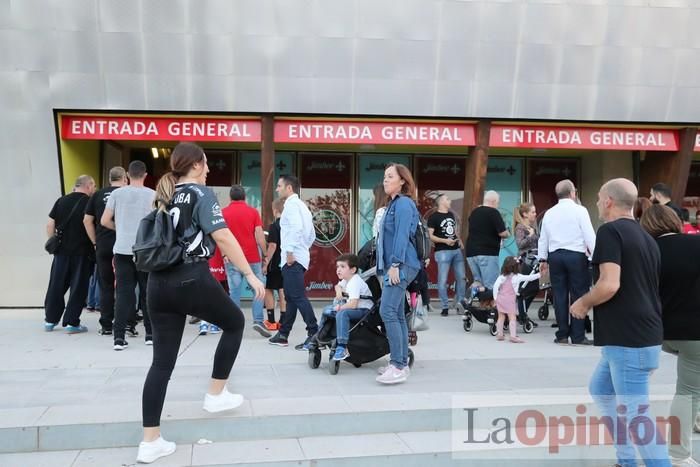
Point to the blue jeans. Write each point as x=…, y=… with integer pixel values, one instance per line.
x=342, y=321
x=235, y=279
x=93, y=300
x=484, y=269
x=447, y=259
x=392, y=312
x=295, y=294
x=622, y=379
x=568, y=271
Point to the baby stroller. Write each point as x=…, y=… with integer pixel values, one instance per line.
x=367, y=341
x=527, y=291
x=485, y=312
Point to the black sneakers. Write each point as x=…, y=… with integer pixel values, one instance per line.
x=444, y=312
x=278, y=339
x=120, y=344
x=104, y=332
x=131, y=331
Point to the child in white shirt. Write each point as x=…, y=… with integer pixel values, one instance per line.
x=349, y=303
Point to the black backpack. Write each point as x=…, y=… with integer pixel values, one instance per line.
x=157, y=245
x=421, y=240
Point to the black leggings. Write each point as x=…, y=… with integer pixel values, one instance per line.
x=188, y=289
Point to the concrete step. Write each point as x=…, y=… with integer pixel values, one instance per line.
x=89, y=427
x=400, y=449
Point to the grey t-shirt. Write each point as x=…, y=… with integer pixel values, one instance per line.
x=130, y=204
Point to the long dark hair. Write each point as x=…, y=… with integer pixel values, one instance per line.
x=183, y=157
x=510, y=266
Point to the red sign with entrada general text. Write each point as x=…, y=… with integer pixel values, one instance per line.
x=372, y=132
x=160, y=128
x=507, y=136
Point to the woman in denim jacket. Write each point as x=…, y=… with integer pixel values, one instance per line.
x=398, y=262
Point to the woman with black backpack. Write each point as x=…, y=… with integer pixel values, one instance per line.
x=189, y=289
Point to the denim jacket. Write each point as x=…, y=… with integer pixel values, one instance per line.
x=395, y=241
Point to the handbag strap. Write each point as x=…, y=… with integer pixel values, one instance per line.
x=70, y=216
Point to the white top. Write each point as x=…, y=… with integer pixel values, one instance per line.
x=516, y=280
x=566, y=226
x=377, y=221
x=355, y=288
x=297, y=232
x=130, y=204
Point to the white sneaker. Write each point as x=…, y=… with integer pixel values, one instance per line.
x=392, y=375
x=383, y=369
x=154, y=450
x=689, y=462
x=222, y=402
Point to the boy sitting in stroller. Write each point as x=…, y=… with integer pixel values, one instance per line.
x=351, y=302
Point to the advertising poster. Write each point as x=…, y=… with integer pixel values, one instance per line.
x=326, y=181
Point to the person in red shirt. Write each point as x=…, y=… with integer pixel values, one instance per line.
x=245, y=224
x=688, y=228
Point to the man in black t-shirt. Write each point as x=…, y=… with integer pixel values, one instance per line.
x=103, y=239
x=73, y=262
x=448, y=253
x=486, y=230
x=660, y=193
x=627, y=318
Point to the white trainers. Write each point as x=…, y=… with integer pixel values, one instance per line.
x=689, y=462
x=154, y=450
x=222, y=402
x=392, y=375
x=383, y=369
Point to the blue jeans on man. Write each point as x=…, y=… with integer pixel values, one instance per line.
x=93, y=299
x=295, y=294
x=235, y=279
x=568, y=272
x=446, y=260
x=621, y=380
x=392, y=311
x=484, y=269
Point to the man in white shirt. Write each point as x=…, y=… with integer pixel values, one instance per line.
x=566, y=242
x=297, y=236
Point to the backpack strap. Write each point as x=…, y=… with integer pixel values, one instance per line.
x=70, y=216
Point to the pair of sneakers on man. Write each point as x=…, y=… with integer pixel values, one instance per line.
x=122, y=344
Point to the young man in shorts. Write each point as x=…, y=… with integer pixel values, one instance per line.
x=272, y=267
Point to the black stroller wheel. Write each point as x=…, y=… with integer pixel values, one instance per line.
x=468, y=324
x=543, y=313
x=333, y=366
x=314, y=359
x=528, y=327
x=493, y=330
x=411, y=358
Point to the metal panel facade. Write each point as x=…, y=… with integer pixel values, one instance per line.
x=624, y=60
